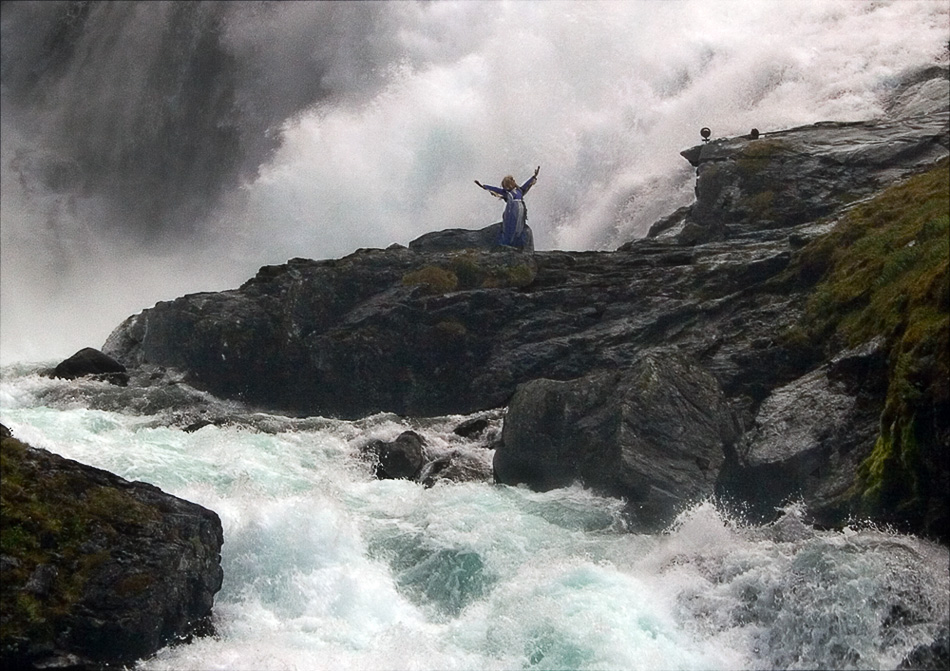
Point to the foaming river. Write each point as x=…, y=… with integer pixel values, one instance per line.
x=327, y=568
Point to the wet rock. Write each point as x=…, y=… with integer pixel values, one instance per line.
x=933, y=657
x=471, y=428
x=457, y=466
x=400, y=459
x=98, y=570
x=789, y=177
x=448, y=327
x=41, y=580
x=90, y=361
x=808, y=439
x=462, y=238
x=654, y=434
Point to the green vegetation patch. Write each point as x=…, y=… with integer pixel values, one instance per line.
x=883, y=271
x=432, y=279
x=754, y=157
x=473, y=270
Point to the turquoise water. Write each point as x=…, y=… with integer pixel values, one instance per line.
x=327, y=568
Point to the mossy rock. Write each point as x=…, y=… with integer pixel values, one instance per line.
x=472, y=269
x=432, y=280
x=91, y=562
x=883, y=271
x=756, y=155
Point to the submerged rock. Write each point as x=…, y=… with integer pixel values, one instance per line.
x=400, y=459
x=98, y=570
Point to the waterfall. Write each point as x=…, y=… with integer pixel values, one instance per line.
x=154, y=149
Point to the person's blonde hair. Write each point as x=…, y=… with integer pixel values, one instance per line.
x=509, y=183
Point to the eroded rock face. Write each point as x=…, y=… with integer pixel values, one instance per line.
x=98, y=570
x=654, y=434
x=806, y=443
x=450, y=326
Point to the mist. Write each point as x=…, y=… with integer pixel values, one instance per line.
x=155, y=149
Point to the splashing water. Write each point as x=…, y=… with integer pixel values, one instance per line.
x=187, y=144
x=327, y=568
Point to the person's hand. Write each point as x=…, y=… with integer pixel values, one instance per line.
x=477, y=182
x=537, y=170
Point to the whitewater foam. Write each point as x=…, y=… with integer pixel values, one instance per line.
x=326, y=567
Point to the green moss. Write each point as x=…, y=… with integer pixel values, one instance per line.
x=115, y=507
x=451, y=328
x=432, y=279
x=133, y=584
x=883, y=271
x=521, y=275
x=754, y=157
x=472, y=270
x=760, y=205
x=48, y=517
x=468, y=270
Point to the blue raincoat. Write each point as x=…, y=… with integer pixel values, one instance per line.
x=513, y=233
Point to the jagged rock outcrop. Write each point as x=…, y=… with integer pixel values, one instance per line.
x=96, y=570
x=434, y=329
x=655, y=434
x=790, y=177
x=438, y=332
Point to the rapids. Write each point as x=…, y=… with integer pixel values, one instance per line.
x=328, y=568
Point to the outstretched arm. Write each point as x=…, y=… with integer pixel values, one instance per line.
x=534, y=178
x=492, y=189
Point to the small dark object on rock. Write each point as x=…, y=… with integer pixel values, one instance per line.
x=754, y=134
x=90, y=361
x=705, y=132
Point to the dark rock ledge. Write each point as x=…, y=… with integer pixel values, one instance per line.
x=97, y=571
x=588, y=348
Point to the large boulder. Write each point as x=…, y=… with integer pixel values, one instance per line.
x=90, y=361
x=655, y=434
x=98, y=570
x=810, y=437
x=463, y=238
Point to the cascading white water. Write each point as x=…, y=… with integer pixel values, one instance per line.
x=151, y=150
x=327, y=568
x=323, y=127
